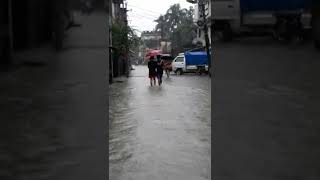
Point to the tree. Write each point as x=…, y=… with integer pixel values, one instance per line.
x=177, y=26
x=133, y=39
x=124, y=37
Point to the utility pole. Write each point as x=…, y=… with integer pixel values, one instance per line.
x=127, y=53
x=109, y=42
x=204, y=23
x=201, y=4
x=162, y=35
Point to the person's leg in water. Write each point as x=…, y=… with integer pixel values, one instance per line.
x=159, y=79
x=151, y=77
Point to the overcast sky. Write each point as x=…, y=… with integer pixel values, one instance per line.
x=142, y=13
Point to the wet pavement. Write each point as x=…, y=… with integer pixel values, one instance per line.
x=52, y=113
x=266, y=107
x=160, y=132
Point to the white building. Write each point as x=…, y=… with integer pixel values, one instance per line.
x=150, y=35
x=198, y=18
x=151, y=39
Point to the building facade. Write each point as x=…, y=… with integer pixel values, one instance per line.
x=118, y=63
x=198, y=17
x=151, y=39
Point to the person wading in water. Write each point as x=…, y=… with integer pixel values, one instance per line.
x=152, y=65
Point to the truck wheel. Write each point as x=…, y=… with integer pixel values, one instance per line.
x=179, y=72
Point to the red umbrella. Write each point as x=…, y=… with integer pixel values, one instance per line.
x=152, y=53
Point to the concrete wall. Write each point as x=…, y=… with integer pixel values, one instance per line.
x=31, y=23
x=39, y=22
x=34, y=21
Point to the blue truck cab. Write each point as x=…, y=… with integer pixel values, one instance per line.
x=190, y=62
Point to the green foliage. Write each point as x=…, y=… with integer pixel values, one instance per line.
x=119, y=37
x=133, y=39
x=124, y=37
x=177, y=26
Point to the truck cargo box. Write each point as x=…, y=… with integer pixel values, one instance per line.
x=274, y=5
x=196, y=58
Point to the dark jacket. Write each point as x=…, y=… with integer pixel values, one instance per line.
x=152, y=65
x=160, y=67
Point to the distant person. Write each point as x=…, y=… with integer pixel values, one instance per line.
x=167, y=66
x=160, y=67
x=152, y=65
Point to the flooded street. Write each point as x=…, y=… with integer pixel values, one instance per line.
x=160, y=132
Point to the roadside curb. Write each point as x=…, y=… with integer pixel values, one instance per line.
x=119, y=79
x=34, y=56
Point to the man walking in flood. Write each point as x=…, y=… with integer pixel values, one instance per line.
x=152, y=65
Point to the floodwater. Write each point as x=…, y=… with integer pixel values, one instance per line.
x=160, y=132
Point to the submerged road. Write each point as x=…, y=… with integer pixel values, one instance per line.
x=160, y=132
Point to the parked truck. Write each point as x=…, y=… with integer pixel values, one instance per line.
x=190, y=62
x=282, y=18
